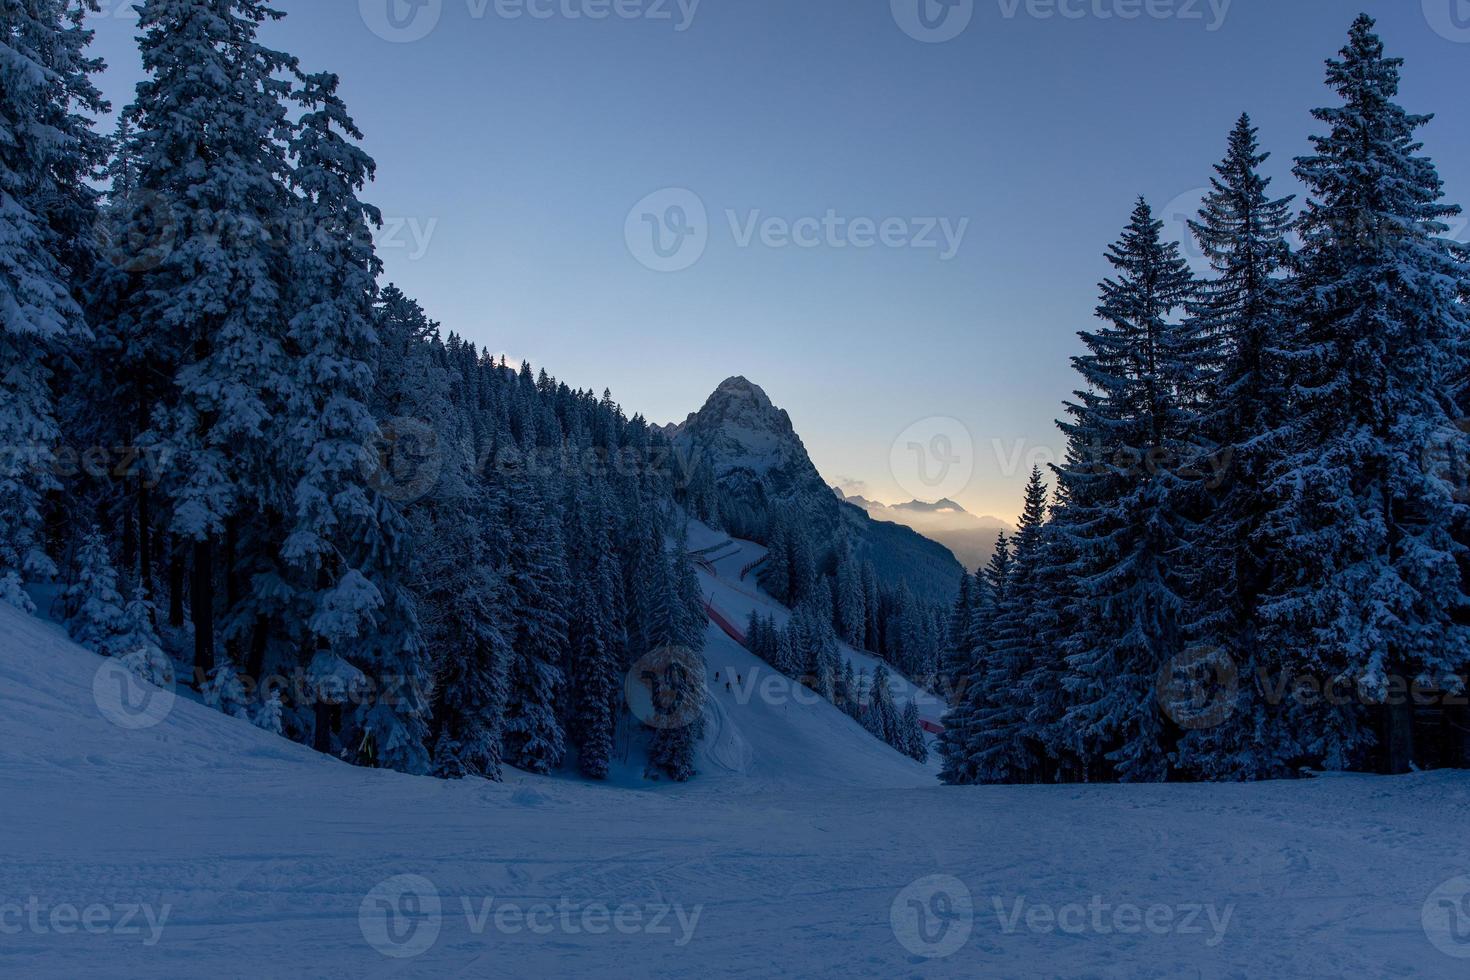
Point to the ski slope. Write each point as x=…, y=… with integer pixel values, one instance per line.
x=725, y=572
x=201, y=847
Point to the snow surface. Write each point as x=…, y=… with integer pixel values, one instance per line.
x=200, y=846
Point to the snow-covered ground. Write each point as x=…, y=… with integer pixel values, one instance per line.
x=197, y=846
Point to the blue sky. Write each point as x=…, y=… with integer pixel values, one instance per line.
x=528, y=149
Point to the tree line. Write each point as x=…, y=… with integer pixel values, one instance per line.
x=287, y=470
x=1253, y=559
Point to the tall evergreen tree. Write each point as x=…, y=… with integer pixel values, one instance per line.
x=537, y=575
x=1135, y=441
x=968, y=697
x=912, y=734
x=335, y=542
x=1367, y=584
x=882, y=716
x=47, y=153
x=209, y=122
x=1245, y=316
x=1003, y=746
x=957, y=650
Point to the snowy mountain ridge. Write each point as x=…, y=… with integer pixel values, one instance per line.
x=760, y=462
x=741, y=429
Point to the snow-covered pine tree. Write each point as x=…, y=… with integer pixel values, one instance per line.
x=48, y=152
x=96, y=617
x=786, y=660
x=594, y=680
x=968, y=695
x=472, y=683
x=1366, y=585
x=688, y=597
x=872, y=605
x=652, y=611
x=343, y=536
x=817, y=647
x=882, y=714
x=973, y=699
x=851, y=613
x=457, y=553
x=1052, y=624
x=1002, y=746
x=775, y=572
x=1135, y=444
x=862, y=692
x=672, y=748
x=903, y=648
x=225, y=692
x=912, y=734
x=138, y=647
x=755, y=640
x=846, y=693
x=536, y=574
x=596, y=644
x=268, y=716
x=1245, y=317
x=957, y=651
x=332, y=522
x=208, y=144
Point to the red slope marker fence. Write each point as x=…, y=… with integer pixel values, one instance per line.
x=738, y=635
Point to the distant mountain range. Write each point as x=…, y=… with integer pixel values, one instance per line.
x=759, y=461
x=971, y=538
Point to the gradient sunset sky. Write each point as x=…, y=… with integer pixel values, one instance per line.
x=514, y=152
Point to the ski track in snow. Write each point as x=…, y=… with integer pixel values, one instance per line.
x=794, y=845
